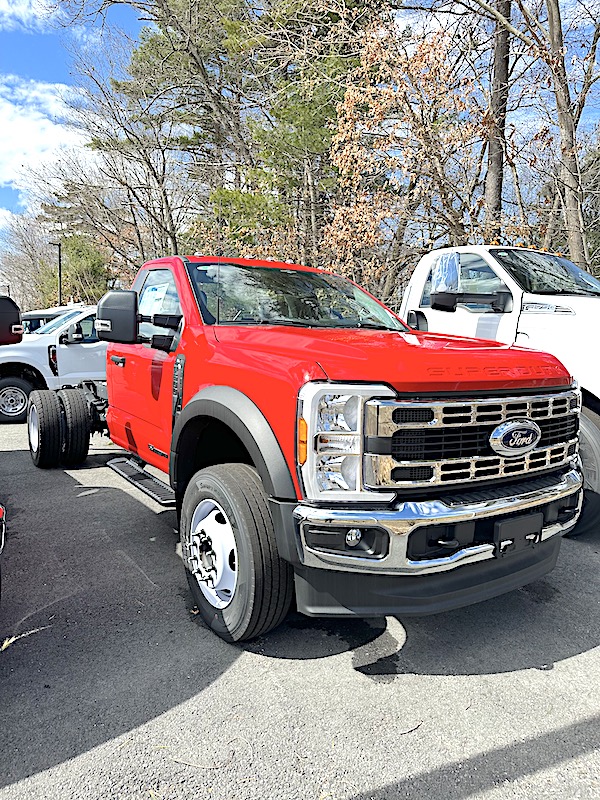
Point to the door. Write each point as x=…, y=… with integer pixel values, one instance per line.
x=140, y=376
x=473, y=318
x=82, y=360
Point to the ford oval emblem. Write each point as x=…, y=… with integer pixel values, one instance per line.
x=515, y=437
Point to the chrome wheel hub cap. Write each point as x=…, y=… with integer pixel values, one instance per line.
x=13, y=401
x=212, y=554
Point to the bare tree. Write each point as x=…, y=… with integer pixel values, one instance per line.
x=494, y=178
x=25, y=254
x=545, y=39
x=133, y=192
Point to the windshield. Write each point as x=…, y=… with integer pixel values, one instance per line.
x=56, y=323
x=545, y=273
x=234, y=294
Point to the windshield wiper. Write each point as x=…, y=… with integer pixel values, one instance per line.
x=375, y=326
x=289, y=322
x=566, y=292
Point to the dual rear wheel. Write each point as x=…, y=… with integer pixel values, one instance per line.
x=58, y=427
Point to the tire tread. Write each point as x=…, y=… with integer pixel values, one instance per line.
x=77, y=427
x=273, y=576
x=48, y=409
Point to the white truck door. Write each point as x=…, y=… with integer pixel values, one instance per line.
x=84, y=359
x=473, y=318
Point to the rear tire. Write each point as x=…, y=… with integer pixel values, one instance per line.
x=240, y=585
x=45, y=428
x=14, y=393
x=76, y=442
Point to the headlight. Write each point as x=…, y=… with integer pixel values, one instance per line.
x=330, y=440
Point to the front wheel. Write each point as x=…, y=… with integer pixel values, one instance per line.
x=240, y=584
x=589, y=450
x=14, y=393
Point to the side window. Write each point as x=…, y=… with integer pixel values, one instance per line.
x=88, y=330
x=158, y=295
x=426, y=296
x=475, y=277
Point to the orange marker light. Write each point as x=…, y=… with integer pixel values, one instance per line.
x=302, y=440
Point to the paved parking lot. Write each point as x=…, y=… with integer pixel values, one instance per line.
x=110, y=687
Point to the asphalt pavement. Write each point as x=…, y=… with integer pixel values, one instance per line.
x=111, y=687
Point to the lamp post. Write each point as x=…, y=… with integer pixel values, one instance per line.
x=58, y=244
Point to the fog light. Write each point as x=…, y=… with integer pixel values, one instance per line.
x=353, y=537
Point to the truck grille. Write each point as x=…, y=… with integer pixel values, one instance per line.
x=423, y=443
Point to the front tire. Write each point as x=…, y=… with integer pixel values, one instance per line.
x=589, y=448
x=240, y=585
x=45, y=428
x=14, y=394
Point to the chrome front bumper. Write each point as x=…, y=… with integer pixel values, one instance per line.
x=407, y=517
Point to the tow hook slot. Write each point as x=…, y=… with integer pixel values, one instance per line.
x=448, y=544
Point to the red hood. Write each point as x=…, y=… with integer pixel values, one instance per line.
x=410, y=362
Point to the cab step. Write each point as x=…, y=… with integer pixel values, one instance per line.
x=147, y=483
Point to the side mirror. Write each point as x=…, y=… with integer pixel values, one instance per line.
x=417, y=320
x=500, y=302
x=73, y=334
x=117, y=317
x=444, y=301
x=11, y=330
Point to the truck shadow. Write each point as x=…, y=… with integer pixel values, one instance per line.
x=500, y=766
x=96, y=622
x=100, y=635
x=532, y=628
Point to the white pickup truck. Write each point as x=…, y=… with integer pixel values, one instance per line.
x=63, y=352
x=518, y=296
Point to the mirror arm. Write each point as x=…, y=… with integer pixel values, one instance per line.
x=161, y=342
x=162, y=320
x=500, y=301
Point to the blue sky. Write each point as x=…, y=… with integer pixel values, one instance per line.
x=35, y=75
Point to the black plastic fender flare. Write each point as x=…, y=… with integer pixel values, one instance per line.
x=246, y=420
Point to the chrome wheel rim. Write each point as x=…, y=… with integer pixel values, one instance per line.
x=212, y=556
x=33, y=429
x=13, y=401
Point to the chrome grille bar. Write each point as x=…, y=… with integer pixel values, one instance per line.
x=379, y=414
x=383, y=418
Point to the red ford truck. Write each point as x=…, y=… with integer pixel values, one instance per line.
x=320, y=451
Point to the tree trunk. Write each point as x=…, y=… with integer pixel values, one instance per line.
x=496, y=145
x=569, y=173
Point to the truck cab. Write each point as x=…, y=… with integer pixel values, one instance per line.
x=520, y=296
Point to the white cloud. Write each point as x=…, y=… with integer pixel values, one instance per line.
x=33, y=132
x=25, y=14
x=5, y=217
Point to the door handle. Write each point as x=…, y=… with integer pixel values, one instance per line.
x=118, y=360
